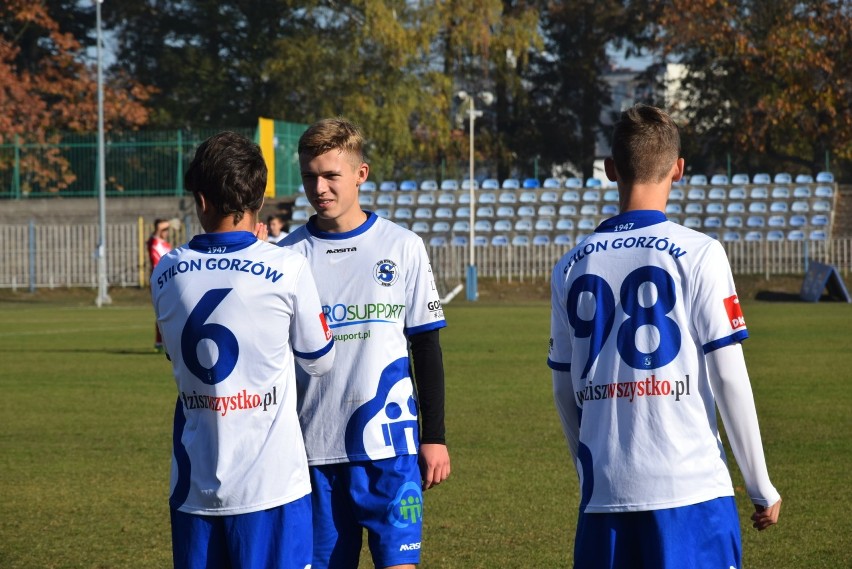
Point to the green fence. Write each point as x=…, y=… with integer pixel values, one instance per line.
x=139, y=163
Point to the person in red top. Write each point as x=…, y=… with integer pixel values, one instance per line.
x=157, y=247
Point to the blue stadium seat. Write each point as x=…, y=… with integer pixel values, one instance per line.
x=482, y=226
x=551, y=183
x=566, y=210
x=403, y=224
x=731, y=236
x=754, y=236
x=531, y=183
x=546, y=210
x=420, y=227
x=775, y=235
x=511, y=184
x=463, y=212
x=437, y=241
x=444, y=213
x=465, y=185
x=450, y=185
x=676, y=194
x=824, y=177
x=712, y=235
x=521, y=240
x=694, y=208
x=759, y=193
x=464, y=198
x=387, y=186
x=800, y=207
x=368, y=186
x=779, y=207
x=591, y=196
x=445, y=198
x=366, y=200
x=541, y=240
x=818, y=235
x=426, y=198
x=543, y=225
x=487, y=197
x=782, y=178
x=564, y=224
x=507, y=197
x=505, y=211
x=500, y=240
x=736, y=207
x=674, y=208
x=611, y=196
x=738, y=179
x=586, y=224
x=692, y=222
x=609, y=209
x=459, y=240
x=821, y=205
x=573, y=182
x=717, y=194
x=523, y=225
x=719, y=180
x=528, y=197
x=490, y=184
x=780, y=192
x=761, y=178
x=756, y=221
x=485, y=211
x=408, y=186
x=804, y=179
x=733, y=222
x=796, y=235
x=737, y=194
x=423, y=213
x=589, y=209
x=819, y=220
x=563, y=240
x=461, y=226
x=383, y=212
x=715, y=208
x=757, y=207
x=712, y=222
x=480, y=240
x=384, y=199
x=593, y=183
x=674, y=219
x=776, y=221
x=823, y=191
x=798, y=221
x=698, y=180
x=428, y=186
x=526, y=211
x=405, y=199
x=696, y=194
x=441, y=227
x=549, y=197
x=402, y=213
x=570, y=196
x=502, y=225
x=801, y=192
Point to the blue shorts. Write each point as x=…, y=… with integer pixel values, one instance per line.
x=705, y=535
x=383, y=496
x=279, y=537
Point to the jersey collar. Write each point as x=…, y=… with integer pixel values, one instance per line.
x=631, y=220
x=319, y=234
x=230, y=240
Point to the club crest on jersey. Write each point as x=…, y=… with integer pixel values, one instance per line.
x=386, y=272
x=735, y=312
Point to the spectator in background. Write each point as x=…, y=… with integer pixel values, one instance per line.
x=277, y=227
x=158, y=246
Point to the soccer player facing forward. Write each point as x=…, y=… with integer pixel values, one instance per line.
x=360, y=421
x=239, y=484
x=645, y=345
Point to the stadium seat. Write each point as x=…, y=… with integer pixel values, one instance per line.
x=551, y=183
x=757, y=207
x=451, y=185
x=388, y=186
x=674, y=219
x=301, y=201
x=300, y=215
x=444, y=213
x=563, y=240
x=609, y=209
x=564, y=224
x=487, y=197
x=573, y=182
x=780, y=192
x=486, y=211
x=383, y=212
x=694, y=208
x=737, y=194
x=463, y=212
x=819, y=220
x=738, y=179
x=426, y=198
x=692, y=222
x=824, y=177
x=733, y=222
x=502, y=225
x=499, y=240
x=736, y=207
x=541, y=240
x=441, y=227
x=459, y=241
x=508, y=197
x=674, y=208
x=461, y=226
x=465, y=185
x=759, y=193
x=796, y=235
x=589, y=209
x=756, y=221
x=530, y=183
x=715, y=208
x=526, y=211
x=384, y=199
x=520, y=240
x=586, y=224
x=446, y=198
x=437, y=241
x=782, y=178
x=546, y=210
x=543, y=225
x=591, y=196
x=511, y=184
x=464, y=198
x=698, y=180
x=490, y=184
x=403, y=224
x=405, y=199
x=408, y=186
x=798, y=221
x=823, y=191
x=423, y=213
x=480, y=241
x=821, y=205
x=611, y=196
x=761, y=178
x=523, y=225
x=570, y=196
x=712, y=222
x=719, y=180
x=593, y=183
x=676, y=194
x=549, y=197
x=712, y=235
x=566, y=210
x=366, y=200
x=804, y=179
x=428, y=186
x=368, y=186
x=696, y=194
x=775, y=235
x=482, y=226
x=776, y=221
x=528, y=197
x=505, y=211
x=717, y=194
x=731, y=236
x=779, y=207
x=420, y=227
x=402, y=213
x=801, y=192
x=800, y=207
x=754, y=236
x=818, y=235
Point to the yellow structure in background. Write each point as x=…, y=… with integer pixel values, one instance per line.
x=266, y=140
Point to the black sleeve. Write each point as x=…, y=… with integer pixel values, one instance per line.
x=428, y=365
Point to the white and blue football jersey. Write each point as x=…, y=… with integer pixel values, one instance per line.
x=376, y=288
x=635, y=308
x=235, y=314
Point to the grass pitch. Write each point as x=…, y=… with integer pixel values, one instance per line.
x=86, y=410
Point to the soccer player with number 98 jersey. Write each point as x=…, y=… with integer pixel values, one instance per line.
x=645, y=341
x=236, y=314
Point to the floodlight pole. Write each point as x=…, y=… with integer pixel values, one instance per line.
x=472, y=287
x=103, y=295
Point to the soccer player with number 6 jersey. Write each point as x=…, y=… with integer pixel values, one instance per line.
x=646, y=332
x=365, y=427
x=239, y=484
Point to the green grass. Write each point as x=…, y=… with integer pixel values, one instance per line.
x=86, y=410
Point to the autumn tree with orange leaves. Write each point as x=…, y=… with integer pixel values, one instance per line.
x=47, y=88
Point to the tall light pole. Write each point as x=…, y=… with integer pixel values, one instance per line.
x=103, y=295
x=473, y=114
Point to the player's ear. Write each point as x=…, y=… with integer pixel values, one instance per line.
x=677, y=173
x=609, y=168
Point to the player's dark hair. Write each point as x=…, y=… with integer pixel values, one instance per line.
x=645, y=144
x=229, y=170
x=332, y=134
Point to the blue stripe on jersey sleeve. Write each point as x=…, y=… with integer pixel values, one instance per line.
x=558, y=366
x=314, y=355
x=425, y=328
x=727, y=341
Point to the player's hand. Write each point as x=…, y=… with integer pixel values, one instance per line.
x=434, y=462
x=261, y=231
x=764, y=517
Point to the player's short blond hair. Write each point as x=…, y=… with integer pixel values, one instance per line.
x=645, y=145
x=332, y=134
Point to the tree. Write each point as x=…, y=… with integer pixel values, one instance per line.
x=46, y=87
x=770, y=81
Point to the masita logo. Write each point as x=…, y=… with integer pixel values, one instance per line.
x=386, y=272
